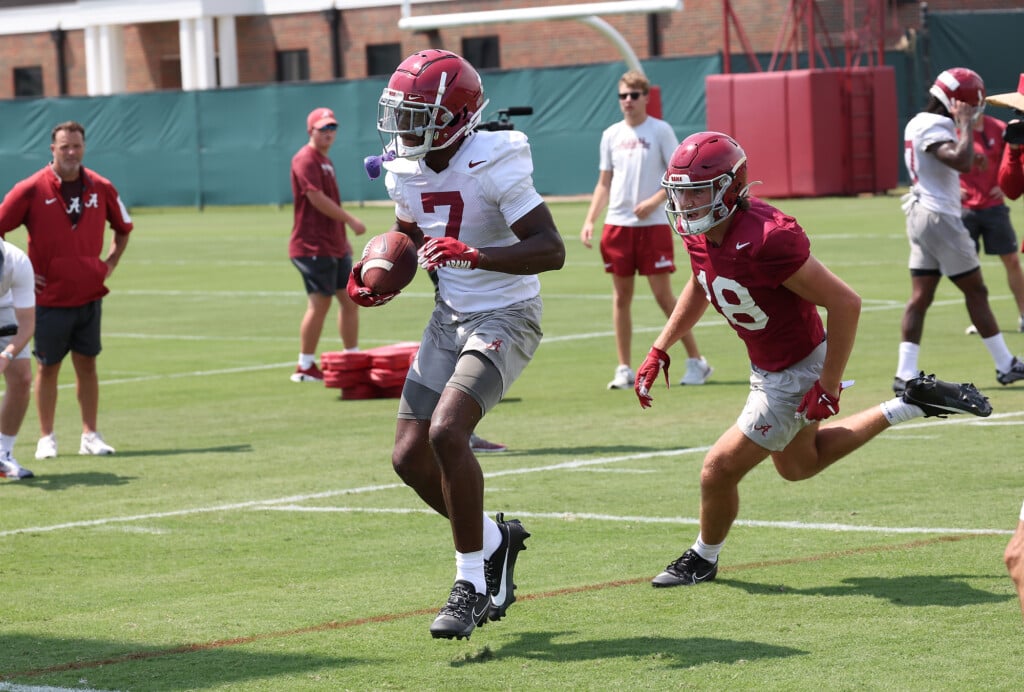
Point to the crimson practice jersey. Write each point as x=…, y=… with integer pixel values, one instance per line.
x=487, y=186
x=65, y=236
x=742, y=278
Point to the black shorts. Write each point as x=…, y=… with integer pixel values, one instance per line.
x=324, y=275
x=59, y=330
x=992, y=226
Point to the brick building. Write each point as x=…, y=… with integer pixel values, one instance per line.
x=93, y=47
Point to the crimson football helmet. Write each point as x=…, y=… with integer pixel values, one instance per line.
x=706, y=161
x=961, y=84
x=434, y=98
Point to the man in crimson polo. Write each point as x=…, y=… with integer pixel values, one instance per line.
x=65, y=207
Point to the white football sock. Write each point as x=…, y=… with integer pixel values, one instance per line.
x=907, y=368
x=492, y=536
x=470, y=567
x=7, y=443
x=898, y=411
x=306, y=360
x=1001, y=355
x=707, y=551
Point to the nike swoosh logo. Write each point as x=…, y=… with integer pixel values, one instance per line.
x=474, y=164
x=51, y=200
x=740, y=246
x=500, y=596
x=700, y=577
x=487, y=606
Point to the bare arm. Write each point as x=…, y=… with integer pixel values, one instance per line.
x=958, y=155
x=691, y=305
x=540, y=247
x=117, y=247
x=646, y=207
x=331, y=209
x=815, y=283
x=598, y=201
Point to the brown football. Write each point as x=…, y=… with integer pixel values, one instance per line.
x=389, y=262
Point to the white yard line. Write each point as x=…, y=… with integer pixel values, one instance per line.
x=294, y=502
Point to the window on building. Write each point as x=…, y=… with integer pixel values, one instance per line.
x=293, y=65
x=482, y=52
x=28, y=81
x=382, y=58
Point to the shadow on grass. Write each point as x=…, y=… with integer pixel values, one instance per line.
x=176, y=451
x=924, y=590
x=581, y=451
x=65, y=481
x=676, y=652
x=32, y=660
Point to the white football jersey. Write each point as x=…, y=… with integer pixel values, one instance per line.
x=637, y=157
x=487, y=186
x=936, y=185
x=17, y=280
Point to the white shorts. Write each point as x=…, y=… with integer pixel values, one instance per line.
x=769, y=417
x=939, y=242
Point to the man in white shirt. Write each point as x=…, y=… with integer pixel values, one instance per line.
x=17, y=325
x=938, y=147
x=636, y=238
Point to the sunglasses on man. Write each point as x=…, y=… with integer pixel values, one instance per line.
x=328, y=128
x=632, y=95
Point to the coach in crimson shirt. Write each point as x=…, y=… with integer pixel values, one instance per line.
x=65, y=208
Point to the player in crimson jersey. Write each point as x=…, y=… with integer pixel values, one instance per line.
x=753, y=263
x=985, y=213
x=66, y=208
x=467, y=199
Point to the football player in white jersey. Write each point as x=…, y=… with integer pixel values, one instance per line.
x=466, y=197
x=938, y=147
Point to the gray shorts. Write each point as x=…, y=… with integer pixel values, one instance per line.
x=939, y=242
x=769, y=417
x=992, y=227
x=480, y=353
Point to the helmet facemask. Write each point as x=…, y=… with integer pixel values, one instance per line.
x=697, y=220
x=401, y=115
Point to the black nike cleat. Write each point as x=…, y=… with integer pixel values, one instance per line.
x=939, y=398
x=499, y=567
x=465, y=611
x=688, y=570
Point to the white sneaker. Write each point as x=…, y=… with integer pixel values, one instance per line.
x=697, y=371
x=47, y=447
x=9, y=468
x=624, y=378
x=92, y=443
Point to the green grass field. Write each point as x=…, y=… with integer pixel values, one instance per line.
x=250, y=533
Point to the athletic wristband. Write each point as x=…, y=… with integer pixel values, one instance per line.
x=7, y=354
x=1022, y=512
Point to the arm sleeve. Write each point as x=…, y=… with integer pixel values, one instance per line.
x=14, y=208
x=1011, y=172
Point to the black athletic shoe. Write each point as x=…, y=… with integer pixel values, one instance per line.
x=938, y=398
x=1014, y=374
x=688, y=570
x=899, y=385
x=465, y=611
x=499, y=567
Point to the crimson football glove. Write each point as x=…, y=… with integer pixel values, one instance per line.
x=656, y=361
x=363, y=296
x=447, y=252
x=818, y=404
